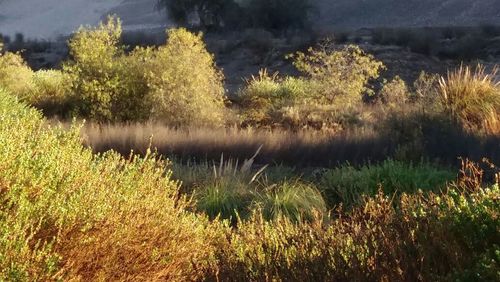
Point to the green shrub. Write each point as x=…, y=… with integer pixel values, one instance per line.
x=15, y=75
x=347, y=185
x=395, y=92
x=93, y=69
x=68, y=213
x=105, y=83
x=266, y=95
x=342, y=76
x=472, y=97
x=51, y=92
x=186, y=87
x=432, y=237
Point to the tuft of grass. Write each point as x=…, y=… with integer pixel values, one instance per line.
x=293, y=200
x=347, y=185
x=472, y=97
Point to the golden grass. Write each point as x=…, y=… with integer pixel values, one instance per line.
x=472, y=96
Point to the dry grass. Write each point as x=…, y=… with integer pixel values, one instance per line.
x=424, y=138
x=472, y=97
x=307, y=148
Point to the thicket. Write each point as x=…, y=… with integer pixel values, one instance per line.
x=69, y=214
x=232, y=14
x=177, y=84
x=333, y=83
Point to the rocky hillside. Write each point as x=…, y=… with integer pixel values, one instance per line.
x=390, y=13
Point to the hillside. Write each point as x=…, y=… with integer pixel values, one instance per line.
x=371, y=13
x=50, y=18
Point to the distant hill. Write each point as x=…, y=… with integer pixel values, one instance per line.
x=407, y=13
x=50, y=18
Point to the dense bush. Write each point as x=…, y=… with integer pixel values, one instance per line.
x=341, y=75
x=51, y=92
x=395, y=92
x=332, y=87
x=186, y=87
x=177, y=84
x=69, y=213
x=104, y=83
x=15, y=75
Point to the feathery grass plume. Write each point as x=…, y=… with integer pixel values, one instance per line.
x=472, y=97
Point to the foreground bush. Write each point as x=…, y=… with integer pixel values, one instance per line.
x=67, y=214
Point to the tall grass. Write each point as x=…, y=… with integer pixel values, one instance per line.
x=439, y=140
x=472, y=97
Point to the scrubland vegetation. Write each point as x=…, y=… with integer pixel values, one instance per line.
x=335, y=174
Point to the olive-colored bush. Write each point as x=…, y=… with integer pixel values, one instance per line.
x=186, y=87
x=15, y=75
x=341, y=75
x=177, y=84
x=395, y=92
x=104, y=83
x=68, y=214
x=333, y=85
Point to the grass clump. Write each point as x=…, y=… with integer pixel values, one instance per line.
x=472, y=97
x=347, y=185
x=293, y=200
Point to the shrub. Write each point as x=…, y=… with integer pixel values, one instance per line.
x=51, y=92
x=104, y=83
x=427, y=237
x=342, y=76
x=472, y=97
x=266, y=95
x=395, y=92
x=334, y=84
x=347, y=185
x=68, y=213
x=186, y=87
x=425, y=89
x=15, y=75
